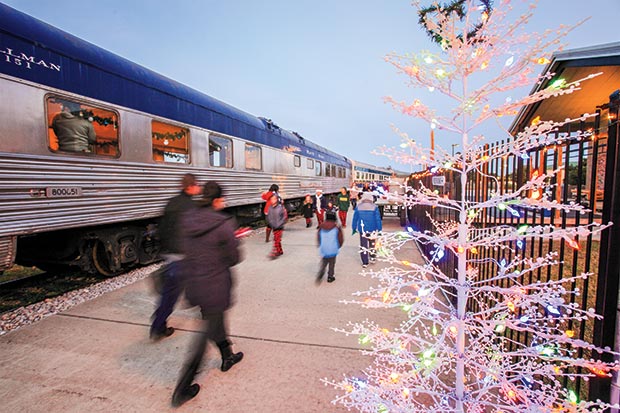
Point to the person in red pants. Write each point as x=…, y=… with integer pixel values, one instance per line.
x=273, y=189
x=276, y=218
x=319, y=205
x=343, y=203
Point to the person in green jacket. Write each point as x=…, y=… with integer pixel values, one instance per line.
x=344, y=201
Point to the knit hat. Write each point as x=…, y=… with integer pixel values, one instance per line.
x=330, y=216
x=210, y=192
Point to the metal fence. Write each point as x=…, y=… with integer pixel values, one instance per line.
x=588, y=174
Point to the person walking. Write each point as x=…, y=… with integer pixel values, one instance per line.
x=366, y=221
x=307, y=211
x=344, y=202
x=211, y=249
x=354, y=196
x=319, y=205
x=276, y=218
x=169, y=234
x=330, y=240
x=266, y=196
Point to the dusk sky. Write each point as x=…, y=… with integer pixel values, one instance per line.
x=314, y=67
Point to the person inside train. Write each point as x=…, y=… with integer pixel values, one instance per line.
x=74, y=133
x=170, y=236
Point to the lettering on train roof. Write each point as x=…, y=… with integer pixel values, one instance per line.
x=26, y=61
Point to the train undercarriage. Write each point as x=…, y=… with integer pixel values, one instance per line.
x=107, y=250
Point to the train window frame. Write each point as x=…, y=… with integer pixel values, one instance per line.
x=229, y=159
x=328, y=170
x=318, y=168
x=297, y=161
x=169, y=133
x=310, y=163
x=102, y=144
x=260, y=157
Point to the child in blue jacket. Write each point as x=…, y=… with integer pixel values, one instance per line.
x=330, y=240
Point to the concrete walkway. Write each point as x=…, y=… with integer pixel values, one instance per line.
x=97, y=357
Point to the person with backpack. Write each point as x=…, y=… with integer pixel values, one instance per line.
x=276, y=218
x=367, y=221
x=330, y=239
x=266, y=196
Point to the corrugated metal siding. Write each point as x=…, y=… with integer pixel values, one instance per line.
x=115, y=192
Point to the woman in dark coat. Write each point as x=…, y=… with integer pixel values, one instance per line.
x=210, y=249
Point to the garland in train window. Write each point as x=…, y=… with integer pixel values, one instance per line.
x=170, y=142
x=80, y=128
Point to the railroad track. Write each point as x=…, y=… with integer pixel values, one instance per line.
x=31, y=289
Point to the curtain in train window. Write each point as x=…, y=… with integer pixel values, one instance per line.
x=220, y=152
x=318, y=168
x=253, y=157
x=170, y=142
x=81, y=128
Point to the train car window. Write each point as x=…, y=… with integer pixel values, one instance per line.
x=170, y=142
x=297, y=161
x=81, y=128
x=310, y=163
x=318, y=168
x=253, y=157
x=220, y=152
x=333, y=168
x=328, y=170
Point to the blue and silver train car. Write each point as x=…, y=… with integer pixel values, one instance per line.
x=96, y=207
x=365, y=173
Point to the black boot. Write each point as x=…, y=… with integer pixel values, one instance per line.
x=181, y=395
x=229, y=358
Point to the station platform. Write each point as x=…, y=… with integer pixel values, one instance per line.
x=97, y=356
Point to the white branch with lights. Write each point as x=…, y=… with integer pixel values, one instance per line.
x=455, y=358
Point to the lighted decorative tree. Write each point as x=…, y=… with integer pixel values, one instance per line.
x=447, y=357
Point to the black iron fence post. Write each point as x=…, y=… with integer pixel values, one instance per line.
x=605, y=334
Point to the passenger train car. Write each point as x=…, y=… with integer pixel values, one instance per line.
x=96, y=208
x=366, y=173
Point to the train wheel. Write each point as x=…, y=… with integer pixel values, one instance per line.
x=102, y=260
